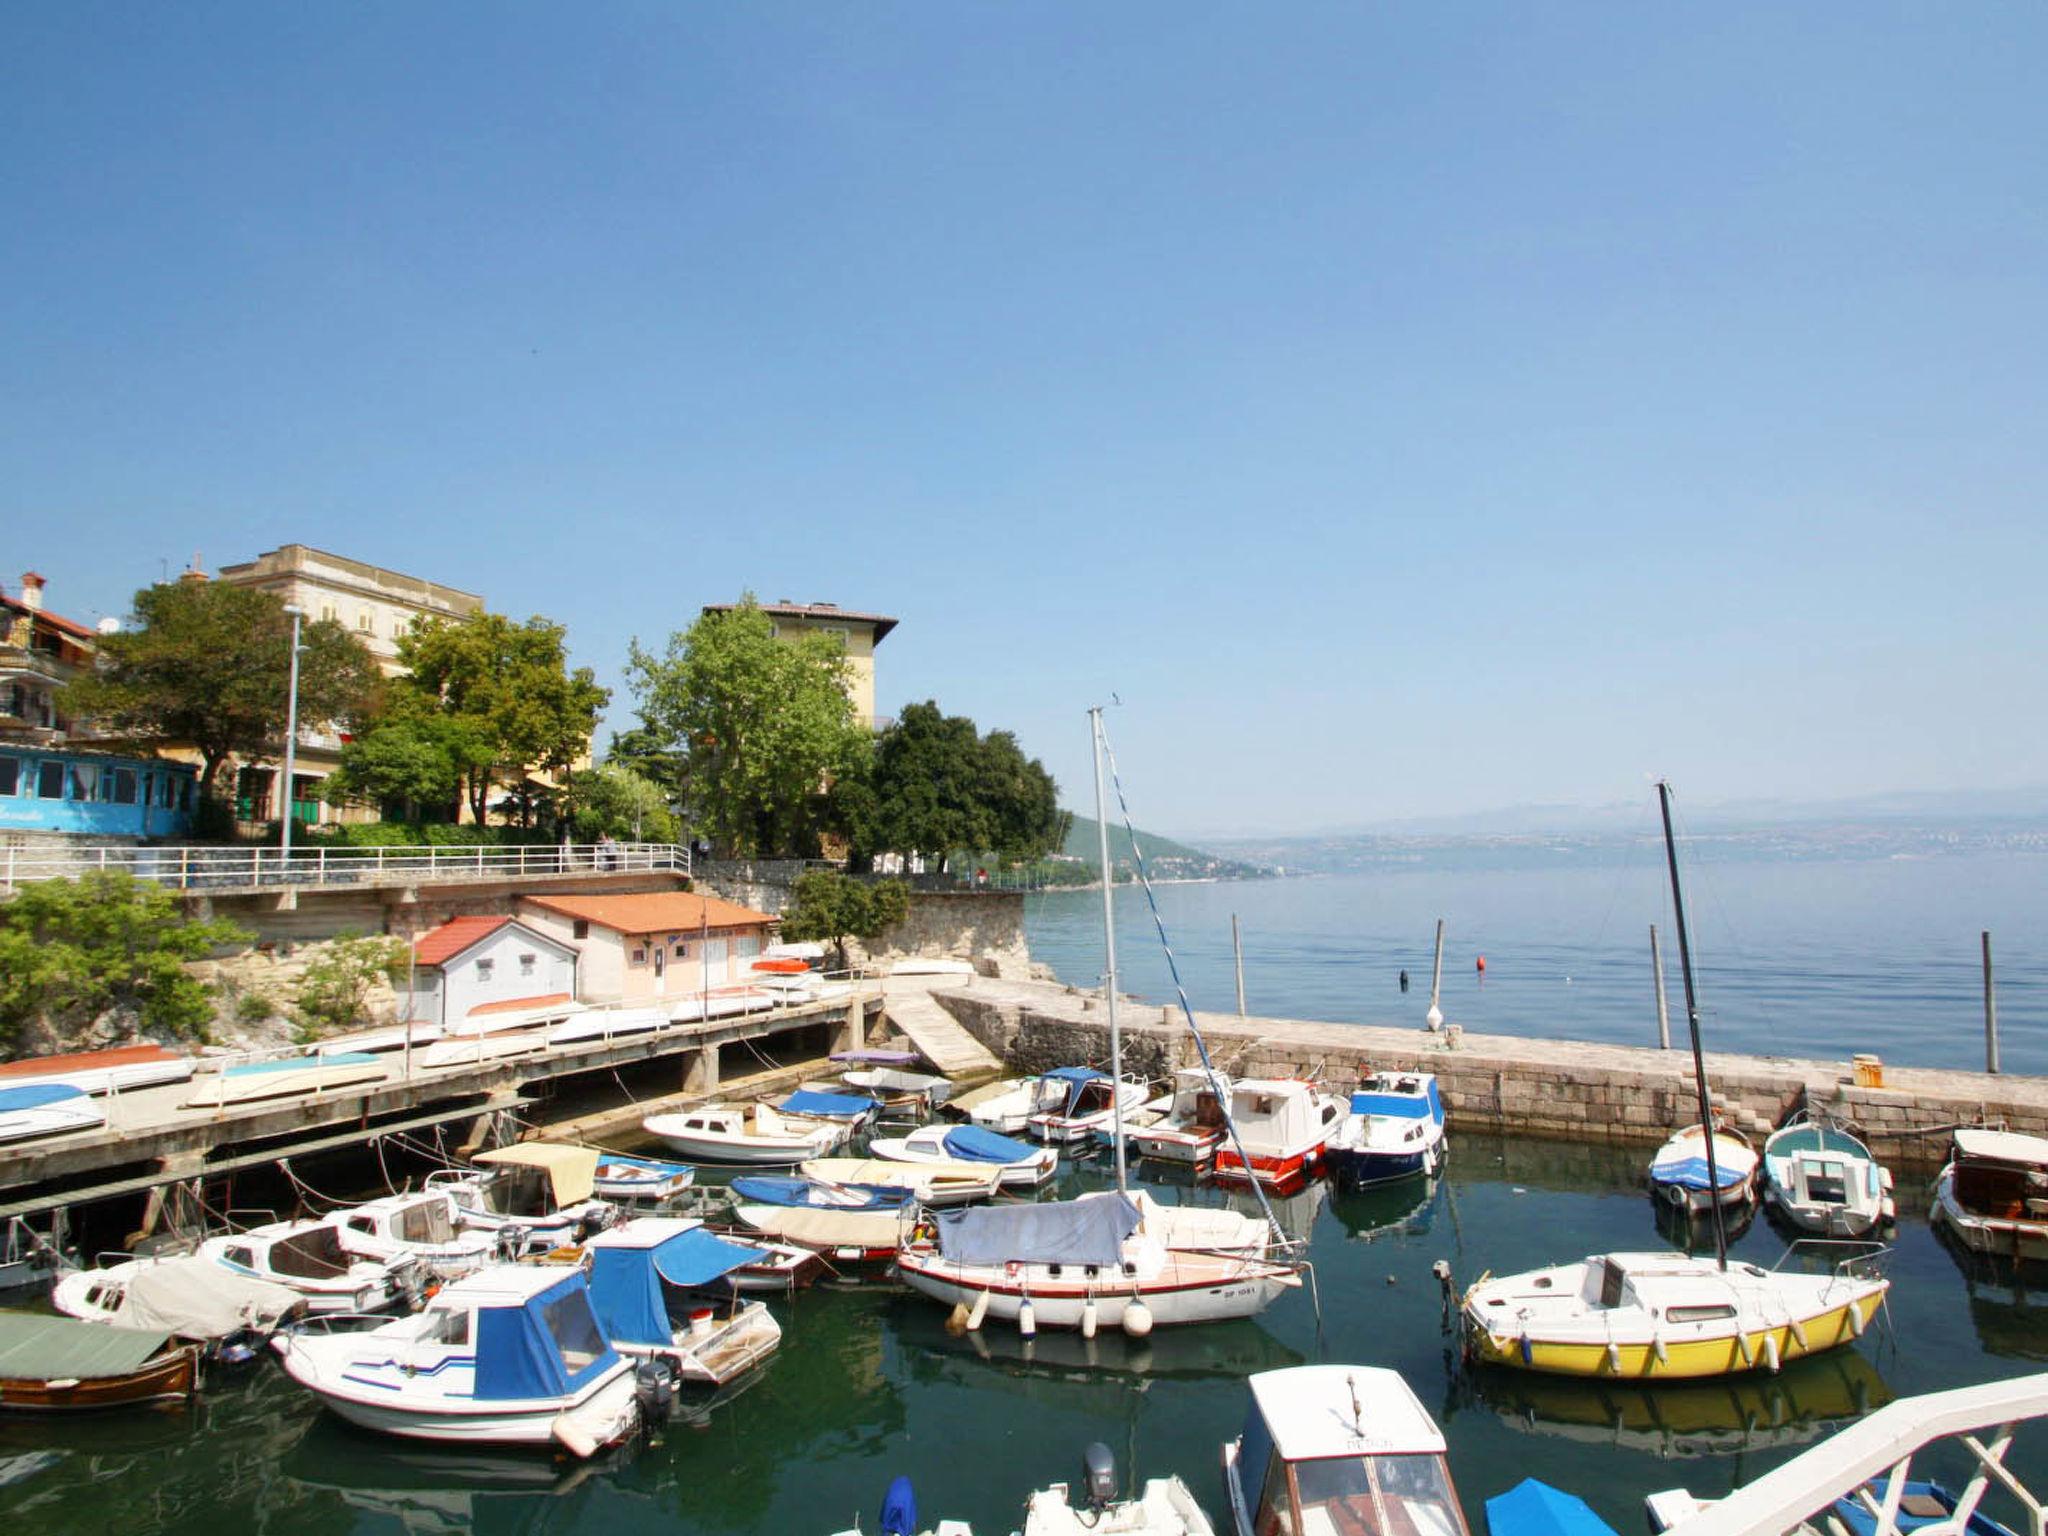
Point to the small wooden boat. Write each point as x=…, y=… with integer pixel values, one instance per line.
x=1820, y=1177
x=378, y=1042
x=1678, y=1173
x=480, y=1050
x=1192, y=1127
x=600, y=1024
x=623, y=1177
x=1023, y=1166
x=1164, y=1506
x=637, y=1272
x=754, y=1134
x=1394, y=1130
x=955, y=1182
x=285, y=1078
x=1327, y=1448
x=535, y=1195
x=33, y=1110
x=514, y=1014
x=719, y=1003
x=1282, y=1125
x=901, y=1093
x=56, y=1365
x=1006, y=1107
x=1993, y=1193
x=117, y=1070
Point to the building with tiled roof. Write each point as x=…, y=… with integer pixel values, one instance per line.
x=652, y=944
x=474, y=966
x=856, y=633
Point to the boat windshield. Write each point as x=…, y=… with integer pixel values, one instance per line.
x=1406, y=1495
x=426, y=1222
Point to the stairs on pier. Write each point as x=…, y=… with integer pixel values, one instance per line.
x=910, y=1007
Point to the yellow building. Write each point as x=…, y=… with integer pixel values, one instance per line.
x=377, y=605
x=857, y=634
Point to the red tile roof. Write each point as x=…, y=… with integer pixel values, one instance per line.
x=439, y=945
x=55, y=620
x=654, y=912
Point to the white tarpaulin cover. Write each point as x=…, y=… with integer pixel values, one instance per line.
x=197, y=1299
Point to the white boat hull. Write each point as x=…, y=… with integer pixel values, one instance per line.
x=1999, y=1237
x=1189, y=1293
x=65, y=1119
x=610, y=1412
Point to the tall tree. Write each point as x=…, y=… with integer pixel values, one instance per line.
x=506, y=693
x=939, y=787
x=207, y=665
x=411, y=760
x=759, y=724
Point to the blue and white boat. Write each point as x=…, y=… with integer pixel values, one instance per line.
x=1678, y=1173
x=851, y=1112
x=642, y=1275
x=512, y=1355
x=1820, y=1177
x=285, y=1078
x=1024, y=1166
x=818, y=1194
x=1394, y=1129
x=623, y=1177
x=1328, y=1447
x=1076, y=1101
x=47, y=1109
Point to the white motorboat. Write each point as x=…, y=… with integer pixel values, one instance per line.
x=1820, y=1177
x=1192, y=1127
x=1023, y=1166
x=1993, y=1193
x=1393, y=1130
x=1282, y=1126
x=377, y=1042
x=1082, y=1264
x=640, y=1275
x=1678, y=1173
x=116, y=1070
x=747, y=1134
x=623, y=1177
x=308, y=1257
x=1006, y=1107
x=839, y=1237
x=507, y=1356
x=898, y=1089
x=545, y=1190
x=952, y=1182
x=424, y=1226
x=1334, y=1449
x=480, y=1050
x=47, y=1109
x=1076, y=1102
x=604, y=1024
x=182, y=1294
x=1164, y=1506
x=287, y=1077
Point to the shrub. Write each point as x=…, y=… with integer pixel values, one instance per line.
x=433, y=834
x=338, y=981
x=253, y=1008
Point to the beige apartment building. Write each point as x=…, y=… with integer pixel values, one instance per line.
x=378, y=605
x=855, y=633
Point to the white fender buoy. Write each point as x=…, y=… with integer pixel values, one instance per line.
x=1137, y=1318
x=1027, y=1318
x=1771, y=1352
x=1088, y=1318
x=1798, y=1333
x=1742, y=1343
x=1614, y=1357
x=1657, y=1348
x=980, y=1311
x=1855, y=1319
x=956, y=1320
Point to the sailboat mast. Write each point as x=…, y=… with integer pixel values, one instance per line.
x=1116, y=1044
x=1692, y=1019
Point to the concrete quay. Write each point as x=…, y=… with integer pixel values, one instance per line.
x=1571, y=1090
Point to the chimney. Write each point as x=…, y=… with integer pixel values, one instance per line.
x=32, y=591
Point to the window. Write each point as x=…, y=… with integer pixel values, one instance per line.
x=117, y=785
x=449, y=1328
x=327, y=613
x=10, y=775
x=1717, y=1312
x=526, y=964
x=364, y=621
x=484, y=969
x=640, y=956
x=581, y=929
x=50, y=781
x=575, y=1331
x=85, y=779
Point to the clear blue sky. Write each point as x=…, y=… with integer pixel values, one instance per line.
x=1406, y=409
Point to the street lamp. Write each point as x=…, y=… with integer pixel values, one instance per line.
x=291, y=738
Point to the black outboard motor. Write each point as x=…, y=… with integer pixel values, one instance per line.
x=511, y=1241
x=654, y=1390
x=1098, y=1476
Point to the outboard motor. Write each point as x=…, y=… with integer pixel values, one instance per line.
x=654, y=1390
x=1098, y=1476
x=511, y=1241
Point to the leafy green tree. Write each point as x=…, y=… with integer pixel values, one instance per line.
x=208, y=665
x=828, y=907
x=759, y=726
x=337, y=983
x=412, y=760
x=72, y=949
x=939, y=787
x=506, y=695
x=611, y=800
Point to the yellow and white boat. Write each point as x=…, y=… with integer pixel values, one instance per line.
x=1667, y=1316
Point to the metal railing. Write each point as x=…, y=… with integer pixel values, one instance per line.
x=215, y=868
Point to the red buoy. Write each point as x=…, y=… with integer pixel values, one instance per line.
x=1482, y=962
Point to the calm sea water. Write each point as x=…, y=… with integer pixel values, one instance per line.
x=1819, y=959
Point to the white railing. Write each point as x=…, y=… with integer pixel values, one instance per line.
x=210, y=868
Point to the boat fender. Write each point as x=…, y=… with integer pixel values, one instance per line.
x=1657, y=1348
x=956, y=1320
x=1528, y=1352
x=574, y=1437
x=1742, y=1343
x=1137, y=1319
x=1675, y=1194
x=1854, y=1318
x=1798, y=1333
x=1771, y=1352
x=1027, y=1318
x=1614, y=1357
x=980, y=1311
x=1088, y=1318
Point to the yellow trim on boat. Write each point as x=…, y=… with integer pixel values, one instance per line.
x=1723, y=1355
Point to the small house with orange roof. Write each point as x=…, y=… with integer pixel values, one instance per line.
x=474, y=966
x=655, y=943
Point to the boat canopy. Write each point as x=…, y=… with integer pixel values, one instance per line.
x=974, y=1144
x=1273, y=1111
x=1397, y=1106
x=570, y=1170
x=1075, y=1075
x=1311, y=1412
x=36, y=1095
x=1534, y=1508
x=50, y=1348
x=2002, y=1146
x=629, y=1264
x=879, y=1058
x=547, y=1345
x=195, y=1298
x=1087, y=1231
x=1691, y=1172
x=826, y=1106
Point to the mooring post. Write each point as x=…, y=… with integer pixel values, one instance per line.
x=1663, y=1008
x=1237, y=950
x=1435, y=1017
x=1990, y=1010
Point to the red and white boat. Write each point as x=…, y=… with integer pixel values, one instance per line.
x=1192, y=1127
x=116, y=1070
x=1282, y=1125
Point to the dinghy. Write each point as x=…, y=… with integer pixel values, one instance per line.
x=745, y=1134
x=1820, y=1177
x=56, y=1365
x=424, y=1226
x=1679, y=1174
x=47, y=1109
x=480, y=1050
x=1192, y=1127
x=940, y=1184
x=308, y=1257
x=509, y=1356
x=622, y=1177
x=640, y=1274
x=1993, y=1193
x=117, y=1070
x=286, y=1078
x=378, y=1042
x=1164, y=1506
x=900, y=1090
x=602, y=1024
x=1338, y=1450
x=534, y=1196
x=1282, y=1126
x=1023, y=1166
x=1393, y=1130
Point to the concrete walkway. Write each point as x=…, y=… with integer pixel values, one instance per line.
x=908, y=1005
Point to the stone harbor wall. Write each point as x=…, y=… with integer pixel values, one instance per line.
x=1564, y=1089
x=985, y=928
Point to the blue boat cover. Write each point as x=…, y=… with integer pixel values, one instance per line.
x=973, y=1144
x=549, y=1347
x=1533, y=1508
x=1090, y=1231
x=36, y=1095
x=833, y=1106
x=625, y=1283
x=294, y=1063
x=1075, y=1074
x=782, y=1189
x=899, y=1509
x=1395, y=1106
x=1691, y=1173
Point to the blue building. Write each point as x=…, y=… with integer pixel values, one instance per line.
x=55, y=789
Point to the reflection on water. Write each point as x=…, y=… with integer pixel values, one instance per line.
x=1224, y=1352
x=1408, y=1207
x=2008, y=1300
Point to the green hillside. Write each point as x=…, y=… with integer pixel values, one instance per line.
x=1163, y=856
